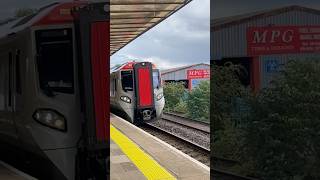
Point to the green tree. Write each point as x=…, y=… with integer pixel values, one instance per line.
x=282, y=136
x=181, y=107
x=225, y=87
x=198, y=102
x=173, y=92
x=24, y=12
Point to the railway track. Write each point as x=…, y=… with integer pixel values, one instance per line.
x=179, y=137
x=220, y=169
x=219, y=174
x=190, y=148
x=187, y=122
x=193, y=132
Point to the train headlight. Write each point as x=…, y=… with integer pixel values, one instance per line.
x=159, y=96
x=50, y=118
x=125, y=99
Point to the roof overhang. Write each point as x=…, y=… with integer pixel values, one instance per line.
x=129, y=19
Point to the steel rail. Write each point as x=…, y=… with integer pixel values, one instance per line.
x=188, y=120
x=179, y=137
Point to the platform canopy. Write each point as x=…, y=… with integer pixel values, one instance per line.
x=131, y=18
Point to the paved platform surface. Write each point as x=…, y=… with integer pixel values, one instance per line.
x=178, y=164
x=120, y=165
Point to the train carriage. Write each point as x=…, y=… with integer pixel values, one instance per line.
x=136, y=91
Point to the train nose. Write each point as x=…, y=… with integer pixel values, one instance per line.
x=147, y=115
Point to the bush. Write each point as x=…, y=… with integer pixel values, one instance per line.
x=173, y=92
x=282, y=136
x=225, y=87
x=181, y=107
x=198, y=102
x=227, y=142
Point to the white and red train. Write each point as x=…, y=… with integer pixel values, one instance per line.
x=53, y=79
x=136, y=91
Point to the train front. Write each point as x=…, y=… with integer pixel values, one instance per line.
x=141, y=94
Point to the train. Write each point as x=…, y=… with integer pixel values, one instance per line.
x=136, y=92
x=53, y=109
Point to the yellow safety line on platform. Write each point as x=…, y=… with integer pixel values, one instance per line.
x=148, y=166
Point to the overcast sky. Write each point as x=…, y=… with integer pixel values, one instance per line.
x=182, y=39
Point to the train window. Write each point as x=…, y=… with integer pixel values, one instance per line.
x=10, y=80
x=55, y=60
x=18, y=77
x=113, y=87
x=156, y=79
x=3, y=83
x=127, y=80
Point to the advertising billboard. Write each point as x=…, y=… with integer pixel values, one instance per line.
x=282, y=40
x=195, y=76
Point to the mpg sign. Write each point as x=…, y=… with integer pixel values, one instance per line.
x=198, y=73
x=282, y=40
x=195, y=76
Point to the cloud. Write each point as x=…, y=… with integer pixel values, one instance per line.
x=183, y=38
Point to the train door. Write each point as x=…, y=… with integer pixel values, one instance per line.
x=7, y=124
x=92, y=34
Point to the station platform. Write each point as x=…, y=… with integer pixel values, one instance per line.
x=7, y=172
x=137, y=155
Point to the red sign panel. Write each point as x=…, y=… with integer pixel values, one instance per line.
x=282, y=40
x=198, y=73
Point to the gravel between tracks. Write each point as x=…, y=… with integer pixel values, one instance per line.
x=201, y=155
x=194, y=135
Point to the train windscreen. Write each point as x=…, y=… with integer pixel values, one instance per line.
x=156, y=79
x=127, y=80
x=55, y=60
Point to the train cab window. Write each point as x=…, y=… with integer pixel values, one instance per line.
x=156, y=79
x=127, y=80
x=55, y=60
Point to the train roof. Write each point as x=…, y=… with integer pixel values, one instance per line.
x=55, y=13
x=127, y=66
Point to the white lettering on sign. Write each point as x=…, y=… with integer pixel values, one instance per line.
x=260, y=39
x=273, y=36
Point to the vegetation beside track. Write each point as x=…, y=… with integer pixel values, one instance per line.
x=276, y=135
x=192, y=104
